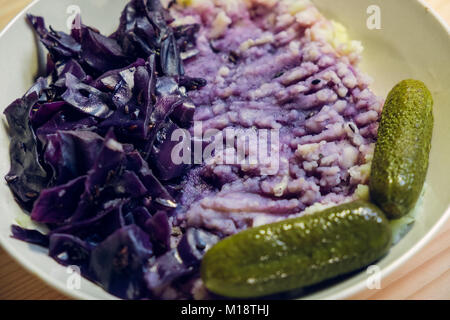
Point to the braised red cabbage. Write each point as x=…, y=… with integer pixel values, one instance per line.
x=69, y=250
x=120, y=262
x=27, y=176
x=30, y=236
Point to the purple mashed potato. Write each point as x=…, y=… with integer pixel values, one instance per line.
x=268, y=69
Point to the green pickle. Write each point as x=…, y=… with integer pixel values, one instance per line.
x=400, y=162
x=297, y=252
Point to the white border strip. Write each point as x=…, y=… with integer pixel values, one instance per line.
x=345, y=294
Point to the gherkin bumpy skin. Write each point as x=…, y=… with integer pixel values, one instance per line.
x=297, y=252
x=402, y=151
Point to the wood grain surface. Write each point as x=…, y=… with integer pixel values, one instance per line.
x=425, y=276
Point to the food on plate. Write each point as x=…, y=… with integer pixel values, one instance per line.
x=297, y=252
x=92, y=148
x=400, y=162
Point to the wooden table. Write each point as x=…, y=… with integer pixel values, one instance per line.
x=425, y=276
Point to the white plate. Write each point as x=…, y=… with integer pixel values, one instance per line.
x=413, y=43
